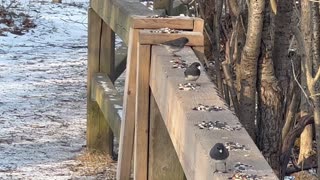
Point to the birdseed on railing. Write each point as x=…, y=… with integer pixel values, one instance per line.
x=233, y=146
x=207, y=108
x=165, y=30
x=217, y=125
x=188, y=86
x=179, y=63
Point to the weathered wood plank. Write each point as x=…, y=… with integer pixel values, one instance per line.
x=107, y=51
x=118, y=14
x=96, y=123
x=149, y=37
x=198, y=25
x=142, y=114
x=121, y=15
x=191, y=143
x=109, y=100
x=129, y=102
x=106, y=62
x=176, y=22
x=163, y=160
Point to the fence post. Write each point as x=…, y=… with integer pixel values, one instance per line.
x=99, y=134
x=129, y=102
x=142, y=113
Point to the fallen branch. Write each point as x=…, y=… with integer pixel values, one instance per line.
x=290, y=139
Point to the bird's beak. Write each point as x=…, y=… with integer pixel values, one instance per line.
x=199, y=67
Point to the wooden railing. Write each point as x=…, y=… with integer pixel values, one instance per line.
x=154, y=120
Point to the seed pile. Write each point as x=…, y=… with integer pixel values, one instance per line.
x=240, y=167
x=232, y=146
x=207, y=108
x=217, y=125
x=188, y=86
x=239, y=173
x=165, y=30
x=245, y=176
x=158, y=16
x=179, y=63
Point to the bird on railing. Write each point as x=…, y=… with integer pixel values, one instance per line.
x=220, y=154
x=175, y=45
x=192, y=73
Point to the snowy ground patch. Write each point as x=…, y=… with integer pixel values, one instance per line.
x=43, y=92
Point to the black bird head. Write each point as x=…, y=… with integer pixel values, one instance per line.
x=219, y=152
x=195, y=65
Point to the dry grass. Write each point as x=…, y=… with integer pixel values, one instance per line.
x=95, y=164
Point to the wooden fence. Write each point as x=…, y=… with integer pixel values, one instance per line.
x=158, y=128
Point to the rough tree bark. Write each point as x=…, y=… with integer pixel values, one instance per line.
x=281, y=61
x=249, y=61
x=269, y=98
x=312, y=78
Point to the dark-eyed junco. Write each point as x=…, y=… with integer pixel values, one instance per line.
x=220, y=154
x=175, y=45
x=192, y=73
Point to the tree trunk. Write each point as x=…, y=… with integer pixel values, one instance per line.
x=317, y=124
x=281, y=61
x=216, y=43
x=269, y=98
x=294, y=95
x=249, y=61
x=307, y=32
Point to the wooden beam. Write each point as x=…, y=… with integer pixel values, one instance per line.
x=129, y=102
x=125, y=14
x=109, y=101
x=149, y=37
x=107, y=51
x=142, y=114
x=163, y=160
x=98, y=134
x=118, y=14
x=198, y=25
x=174, y=22
x=191, y=143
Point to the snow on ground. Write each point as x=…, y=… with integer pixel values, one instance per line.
x=43, y=92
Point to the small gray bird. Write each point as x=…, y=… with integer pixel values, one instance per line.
x=192, y=73
x=175, y=45
x=220, y=154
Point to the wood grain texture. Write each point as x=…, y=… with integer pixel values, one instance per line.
x=191, y=143
x=142, y=114
x=108, y=99
x=107, y=51
x=198, y=25
x=163, y=160
x=173, y=22
x=149, y=37
x=118, y=14
x=129, y=102
x=98, y=132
